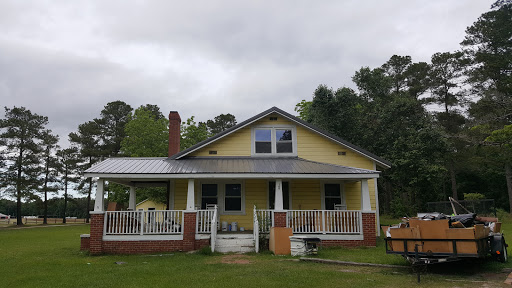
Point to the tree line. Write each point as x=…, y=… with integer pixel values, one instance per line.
x=32, y=164
x=461, y=148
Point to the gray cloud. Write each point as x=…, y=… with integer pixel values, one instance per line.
x=66, y=59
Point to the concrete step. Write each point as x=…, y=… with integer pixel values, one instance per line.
x=237, y=243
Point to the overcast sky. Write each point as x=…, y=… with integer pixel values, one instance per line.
x=67, y=59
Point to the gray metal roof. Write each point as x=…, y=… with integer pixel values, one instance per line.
x=379, y=160
x=218, y=165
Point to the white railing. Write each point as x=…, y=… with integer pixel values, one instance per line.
x=204, y=220
x=256, y=230
x=325, y=221
x=213, y=228
x=265, y=219
x=152, y=222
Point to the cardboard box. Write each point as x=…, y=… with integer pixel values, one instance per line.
x=279, y=241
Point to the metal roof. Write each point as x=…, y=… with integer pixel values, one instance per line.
x=379, y=160
x=217, y=165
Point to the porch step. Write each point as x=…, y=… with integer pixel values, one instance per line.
x=237, y=243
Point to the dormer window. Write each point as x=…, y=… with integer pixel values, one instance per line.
x=274, y=141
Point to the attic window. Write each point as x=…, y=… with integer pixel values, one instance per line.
x=274, y=141
x=273, y=118
x=212, y=152
x=342, y=153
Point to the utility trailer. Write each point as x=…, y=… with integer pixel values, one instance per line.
x=413, y=250
x=423, y=242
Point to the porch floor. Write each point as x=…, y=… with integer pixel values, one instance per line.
x=235, y=232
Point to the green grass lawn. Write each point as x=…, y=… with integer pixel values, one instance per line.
x=50, y=257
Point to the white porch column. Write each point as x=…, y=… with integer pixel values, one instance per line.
x=365, y=196
x=191, y=195
x=99, y=200
x=278, y=203
x=131, y=202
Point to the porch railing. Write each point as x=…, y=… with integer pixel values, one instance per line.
x=256, y=231
x=204, y=220
x=265, y=220
x=153, y=222
x=213, y=228
x=325, y=221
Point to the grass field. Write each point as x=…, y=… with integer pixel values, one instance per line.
x=50, y=257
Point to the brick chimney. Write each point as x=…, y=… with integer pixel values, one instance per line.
x=174, y=132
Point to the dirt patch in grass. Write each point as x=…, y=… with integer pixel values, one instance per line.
x=236, y=259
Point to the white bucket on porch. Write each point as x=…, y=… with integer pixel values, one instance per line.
x=234, y=226
x=224, y=226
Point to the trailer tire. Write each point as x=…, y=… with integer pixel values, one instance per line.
x=503, y=257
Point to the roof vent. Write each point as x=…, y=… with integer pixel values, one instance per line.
x=273, y=118
x=212, y=152
x=343, y=153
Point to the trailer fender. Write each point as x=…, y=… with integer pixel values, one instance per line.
x=499, y=247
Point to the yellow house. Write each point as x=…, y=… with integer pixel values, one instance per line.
x=272, y=170
x=149, y=205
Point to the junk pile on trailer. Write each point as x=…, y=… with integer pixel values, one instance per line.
x=434, y=237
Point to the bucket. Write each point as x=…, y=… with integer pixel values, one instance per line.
x=224, y=226
x=234, y=226
x=242, y=229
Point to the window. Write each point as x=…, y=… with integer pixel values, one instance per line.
x=227, y=195
x=233, y=198
x=272, y=195
x=274, y=141
x=332, y=196
x=208, y=194
x=263, y=140
x=284, y=141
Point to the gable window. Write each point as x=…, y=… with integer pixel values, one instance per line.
x=284, y=141
x=333, y=196
x=272, y=195
x=209, y=195
x=275, y=141
x=233, y=198
x=263, y=140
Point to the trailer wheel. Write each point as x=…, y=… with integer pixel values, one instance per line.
x=503, y=257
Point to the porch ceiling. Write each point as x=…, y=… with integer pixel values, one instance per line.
x=223, y=167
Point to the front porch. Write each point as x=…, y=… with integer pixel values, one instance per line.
x=133, y=232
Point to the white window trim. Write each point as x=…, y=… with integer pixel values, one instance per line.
x=273, y=140
x=221, y=192
x=342, y=192
x=289, y=193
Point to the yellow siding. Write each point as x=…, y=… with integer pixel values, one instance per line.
x=310, y=146
x=180, y=194
x=150, y=204
x=306, y=194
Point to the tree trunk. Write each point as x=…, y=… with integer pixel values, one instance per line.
x=45, y=220
x=453, y=181
x=18, y=189
x=508, y=176
x=65, y=197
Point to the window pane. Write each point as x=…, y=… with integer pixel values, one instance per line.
x=284, y=147
x=263, y=135
x=283, y=135
x=207, y=200
x=263, y=147
x=332, y=190
x=233, y=204
x=233, y=190
x=209, y=190
x=329, y=203
x=272, y=195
